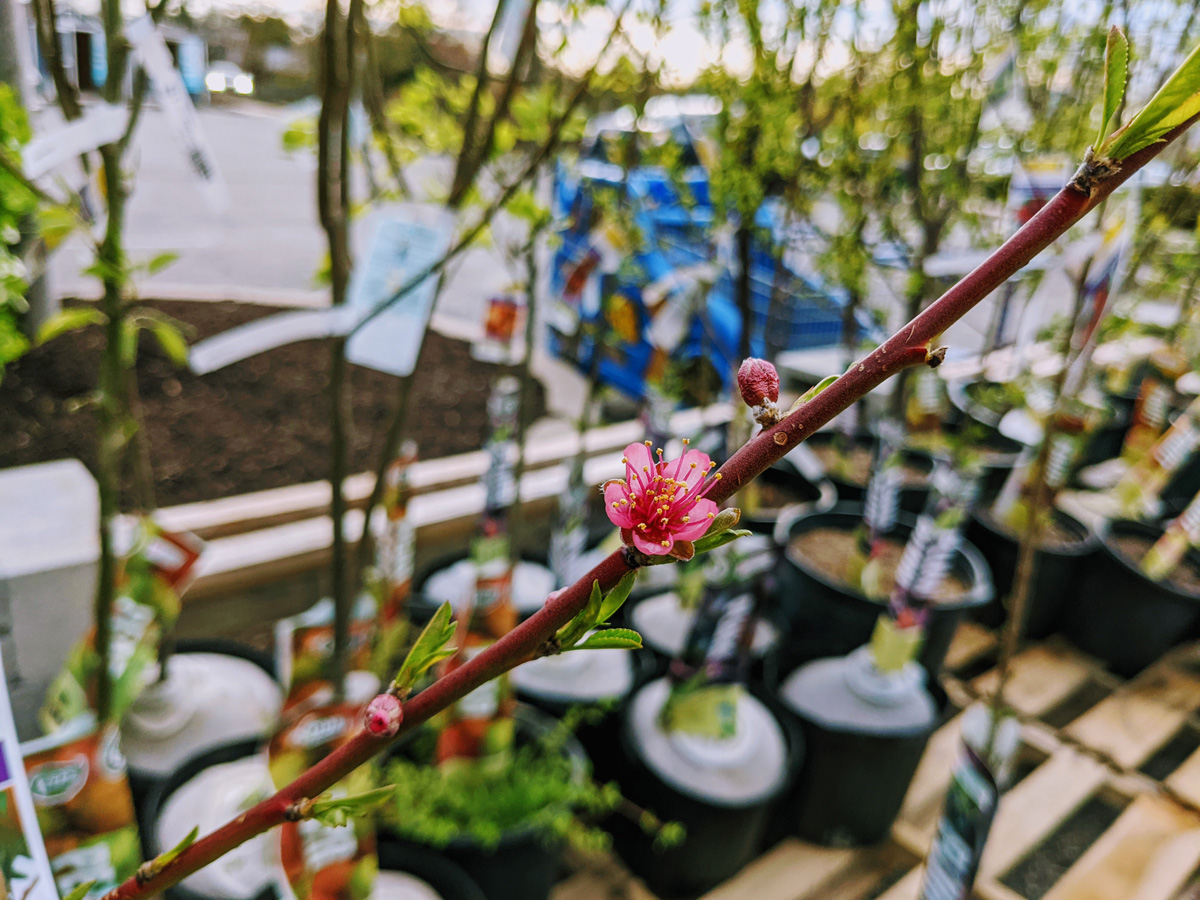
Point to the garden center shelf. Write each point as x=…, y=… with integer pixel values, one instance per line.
x=1105, y=804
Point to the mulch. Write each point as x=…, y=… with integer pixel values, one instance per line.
x=260, y=423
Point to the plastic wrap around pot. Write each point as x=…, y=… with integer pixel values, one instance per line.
x=207, y=791
x=1120, y=615
x=218, y=692
x=826, y=617
x=722, y=796
x=1056, y=571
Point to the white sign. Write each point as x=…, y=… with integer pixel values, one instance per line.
x=101, y=124
x=268, y=333
x=400, y=249
x=152, y=53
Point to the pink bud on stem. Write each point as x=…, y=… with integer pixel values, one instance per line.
x=759, y=383
x=384, y=715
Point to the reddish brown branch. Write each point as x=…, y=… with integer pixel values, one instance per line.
x=906, y=348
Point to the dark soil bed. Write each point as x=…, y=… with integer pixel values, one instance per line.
x=260, y=423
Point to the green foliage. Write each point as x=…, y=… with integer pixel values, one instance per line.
x=428, y=650
x=338, y=811
x=70, y=319
x=539, y=789
x=16, y=204
x=1176, y=102
x=1116, y=73
x=596, y=614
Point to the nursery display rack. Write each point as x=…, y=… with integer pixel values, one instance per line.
x=1105, y=804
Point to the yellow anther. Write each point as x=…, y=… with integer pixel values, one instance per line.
x=710, y=515
x=686, y=519
x=649, y=443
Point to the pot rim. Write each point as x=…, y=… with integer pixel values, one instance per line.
x=1144, y=529
x=826, y=497
x=980, y=593
x=1085, y=547
x=793, y=756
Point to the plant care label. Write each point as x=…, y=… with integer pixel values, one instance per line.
x=501, y=342
x=173, y=99
x=304, y=648
x=984, y=764
x=24, y=864
x=321, y=861
x=480, y=725
x=1180, y=535
x=1139, y=489
x=84, y=805
x=155, y=567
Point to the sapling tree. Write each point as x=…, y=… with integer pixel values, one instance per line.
x=1109, y=163
x=120, y=441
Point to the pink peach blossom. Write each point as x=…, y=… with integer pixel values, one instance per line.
x=661, y=502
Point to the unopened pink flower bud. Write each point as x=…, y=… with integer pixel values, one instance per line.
x=758, y=381
x=384, y=715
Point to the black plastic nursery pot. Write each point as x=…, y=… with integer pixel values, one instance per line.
x=143, y=784
x=851, y=785
x=1057, y=568
x=598, y=737
x=782, y=489
x=912, y=495
x=161, y=791
x=721, y=838
x=1122, y=617
x=522, y=865
x=826, y=617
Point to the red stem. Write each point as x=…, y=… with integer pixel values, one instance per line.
x=908, y=347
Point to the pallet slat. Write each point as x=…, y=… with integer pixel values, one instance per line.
x=1042, y=677
x=793, y=870
x=1138, y=718
x=1031, y=811
x=1147, y=854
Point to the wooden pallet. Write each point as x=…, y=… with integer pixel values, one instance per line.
x=1126, y=753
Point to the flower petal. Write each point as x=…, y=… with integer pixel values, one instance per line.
x=699, y=521
x=638, y=458
x=687, y=474
x=649, y=547
x=615, y=492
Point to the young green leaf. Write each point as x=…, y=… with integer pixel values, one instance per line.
x=80, y=891
x=616, y=597
x=69, y=320
x=55, y=223
x=813, y=391
x=610, y=639
x=724, y=520
x=160, y=262
x=1116, y=73
x=585, y=620
x=429, y=649
x=338, y=811
x=153, y=867
x=1176, y=102
x=712, y=542
x=171, y=341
